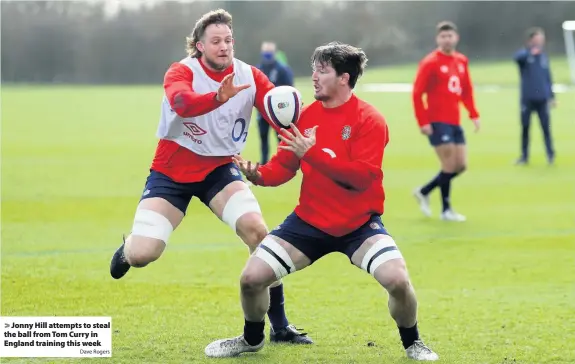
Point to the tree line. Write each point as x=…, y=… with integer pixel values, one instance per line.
x=79, y=42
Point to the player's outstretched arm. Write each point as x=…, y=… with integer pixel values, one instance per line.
x=181, y=96
x=366, y=158
x=420, y=88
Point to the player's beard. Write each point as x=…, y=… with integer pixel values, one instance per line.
x=218, y=66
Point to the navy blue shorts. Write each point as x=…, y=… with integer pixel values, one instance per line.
x=446, y=133
x=314, y=243
x=180, y=194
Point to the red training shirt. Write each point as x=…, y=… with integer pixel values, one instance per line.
x=342, y=173
x=445, y=80
x=179, y=163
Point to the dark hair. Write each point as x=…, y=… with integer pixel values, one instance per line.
x=446, y=26
x=533, y=31
x=344, y=58
x=219, y=16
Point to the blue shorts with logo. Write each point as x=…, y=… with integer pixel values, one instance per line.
x=314, y=243
x=180, y=194
x=444, y=133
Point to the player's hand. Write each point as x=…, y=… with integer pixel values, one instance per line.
x=426, y=130
x=227, y=89
x=535, y=51
x=249, y=169
x=296, y=142
x=477, y=124
x=553, y=103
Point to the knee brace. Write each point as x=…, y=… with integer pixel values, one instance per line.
x=240, y=203
x=271, y=252
x=382, y=251
x=153, y=225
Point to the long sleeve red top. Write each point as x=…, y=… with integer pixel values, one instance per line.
x=446, y=82
x=177, y=162
x=342, y=173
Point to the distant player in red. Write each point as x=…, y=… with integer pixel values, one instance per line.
x=205, y=117
x=338, y=145
x=443, y=77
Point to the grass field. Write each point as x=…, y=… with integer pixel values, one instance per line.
x=496, y=289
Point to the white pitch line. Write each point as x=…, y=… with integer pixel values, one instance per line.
x=407, y=87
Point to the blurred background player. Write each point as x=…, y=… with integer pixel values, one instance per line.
x=340, y=206
x=279, y=74
x=536, y=91
x=443, y=77
x=194, y=155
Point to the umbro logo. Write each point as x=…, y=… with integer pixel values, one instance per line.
x=194, y=128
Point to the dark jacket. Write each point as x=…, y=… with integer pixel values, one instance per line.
x=536, y=80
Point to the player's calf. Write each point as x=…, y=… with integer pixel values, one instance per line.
x=394, y=278
x=254, y=282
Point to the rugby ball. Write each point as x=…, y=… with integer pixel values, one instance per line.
x=283, y=105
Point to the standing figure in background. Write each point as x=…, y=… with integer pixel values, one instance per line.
x=536, y=91
x=443, y=76
x=280, y=75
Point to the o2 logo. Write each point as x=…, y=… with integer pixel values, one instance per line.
x=454, y=85
x=239, y=132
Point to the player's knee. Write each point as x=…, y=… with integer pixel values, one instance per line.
x=252, y=281
x=396, y=279
x=252, y=229
x=150, y=234
x=243, y=214
x=448, y=166
x=141, y=251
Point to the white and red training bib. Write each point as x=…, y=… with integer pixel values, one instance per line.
x=221, y=132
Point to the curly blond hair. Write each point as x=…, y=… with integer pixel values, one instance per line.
x=219, y=16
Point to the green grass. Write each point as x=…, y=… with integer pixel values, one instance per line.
x=496, y=289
